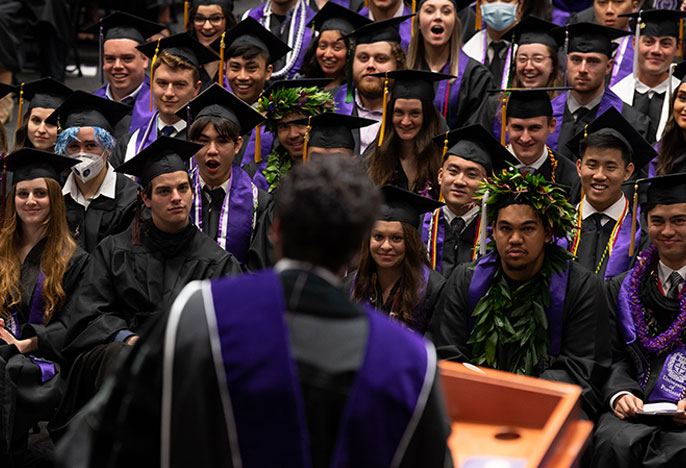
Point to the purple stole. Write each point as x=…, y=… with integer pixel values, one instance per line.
x=619, y=260
x=141, y=109
x=559, y=104
x=264, y=392
x=266, y=145
x=671, y=383
x=440, y=237
x=258, y=15
x=343, y=107
x=47, y=368
x=652, y=165
x=624, y=61
x=450, y=92
x=147, y=134
x=236, y=216
x=483, y=278
x=405, y=28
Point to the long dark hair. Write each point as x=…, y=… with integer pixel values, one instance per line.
x=310, y=67
x=673, y=142
x=407, y=298
x=384, y=159
x=228, y=15
x=21, y=134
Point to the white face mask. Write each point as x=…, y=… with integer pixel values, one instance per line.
x=89, y=167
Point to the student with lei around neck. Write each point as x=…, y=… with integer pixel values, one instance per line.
x=567, y=341
x=648, y=302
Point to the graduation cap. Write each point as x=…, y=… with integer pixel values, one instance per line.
x=414, y=84
x=337, y=18
x=590, y=37
x=405, y=206
x=251, y=32
x=378, y=31
x=657, y=23
x=474, y=143
x=83, y=109
x=331, y=130
x=120, y=25
x=611, y=122
x=533, y=30
x=217, y=102
x=179, y=45
x=45, y=92
x=164, y=156
x=30, y=163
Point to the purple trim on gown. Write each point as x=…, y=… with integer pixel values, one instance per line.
x=141, y=109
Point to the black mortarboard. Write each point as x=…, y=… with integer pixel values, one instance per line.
x=379, y=31
x=182, y=46
x=120, y=25
x=335, y=17
x=414, y=84
x=165, y=155
x=331, y=130
x=83, y=109
x=45, y=92
x=612, y=122
x=299, y=83
x=228, y=4
x=591, y=37
x=657, y=23
x=30, y=163
x=405, y=206
x=218, y=102
x=533, y=30
x=667, y=189
x=476, y=144
x=250, y=32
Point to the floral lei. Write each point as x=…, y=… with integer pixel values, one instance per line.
x=278, y=103
x=646, y=325
x=279, y=163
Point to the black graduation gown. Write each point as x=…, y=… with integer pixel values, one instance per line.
x=118, y=155
x=434, y=287
x=123, y=427
x=565, y=174
x=457, y=252
x=104, y=216
x=25, y=398
x=633, y=443
x=585, y=351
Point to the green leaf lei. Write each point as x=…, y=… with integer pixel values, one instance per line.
x=279, y=162
x=516, y=321
x=278, y=103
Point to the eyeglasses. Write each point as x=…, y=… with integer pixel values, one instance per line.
x=537, y=59
x=214, y=20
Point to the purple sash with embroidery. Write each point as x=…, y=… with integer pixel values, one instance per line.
x=262, y=381
x=141, y=109
x=619, y=260
x=47, y=368
x=483, y=278
x=624, y=61
x=266, y=145
x=671, y=383
x=450, y=113
x=440, y=237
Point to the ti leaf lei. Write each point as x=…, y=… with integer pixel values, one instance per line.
x=516, y=321
x=279, y=163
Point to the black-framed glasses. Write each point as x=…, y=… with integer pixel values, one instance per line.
x=214, y=20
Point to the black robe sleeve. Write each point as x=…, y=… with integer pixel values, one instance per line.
x=118, y=154
x=434, y=288
x=476, y=81
x=261, y=252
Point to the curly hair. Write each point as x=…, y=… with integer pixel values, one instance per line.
x=325, y=209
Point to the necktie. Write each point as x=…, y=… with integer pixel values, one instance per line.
x=649, y=105
x=457, y=225
x=215, y=197
x=497, y=63
x=598, y=220
x=675, y=280
x=212, y=210
x=167, y=130
x=129, y=101
x=580, y=119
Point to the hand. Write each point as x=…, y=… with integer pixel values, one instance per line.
x=680, y=418
x=131, y=340
x=627, y=406
x=24, y=346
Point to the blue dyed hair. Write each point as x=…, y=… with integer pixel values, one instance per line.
x=102, y=136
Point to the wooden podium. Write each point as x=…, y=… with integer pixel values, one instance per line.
x=503, y=420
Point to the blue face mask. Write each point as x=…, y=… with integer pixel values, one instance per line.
x=499, y=15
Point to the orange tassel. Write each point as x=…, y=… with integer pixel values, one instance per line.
x=307, y=138
x=503, y=122
x=633, y=222
x=222, y=46
x=186, y=7
x=383, y=113
x=366, y=3
x=477, y=24
x=445, y=145
x=152, y=67
x=21, y=103
x=414, y=10
x=258, y=144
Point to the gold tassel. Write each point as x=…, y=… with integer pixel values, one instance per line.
x=366, y=3
x=477, y=24
x=383, y=113
x=503, y=122
x=445, y=145
x=633, y=221
x=21, y=103
x=414, y=10
x=186, y=7
x=222, y=46
x=152, y=67
x=586, y=131
x=307, y=138
x=258, y=144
